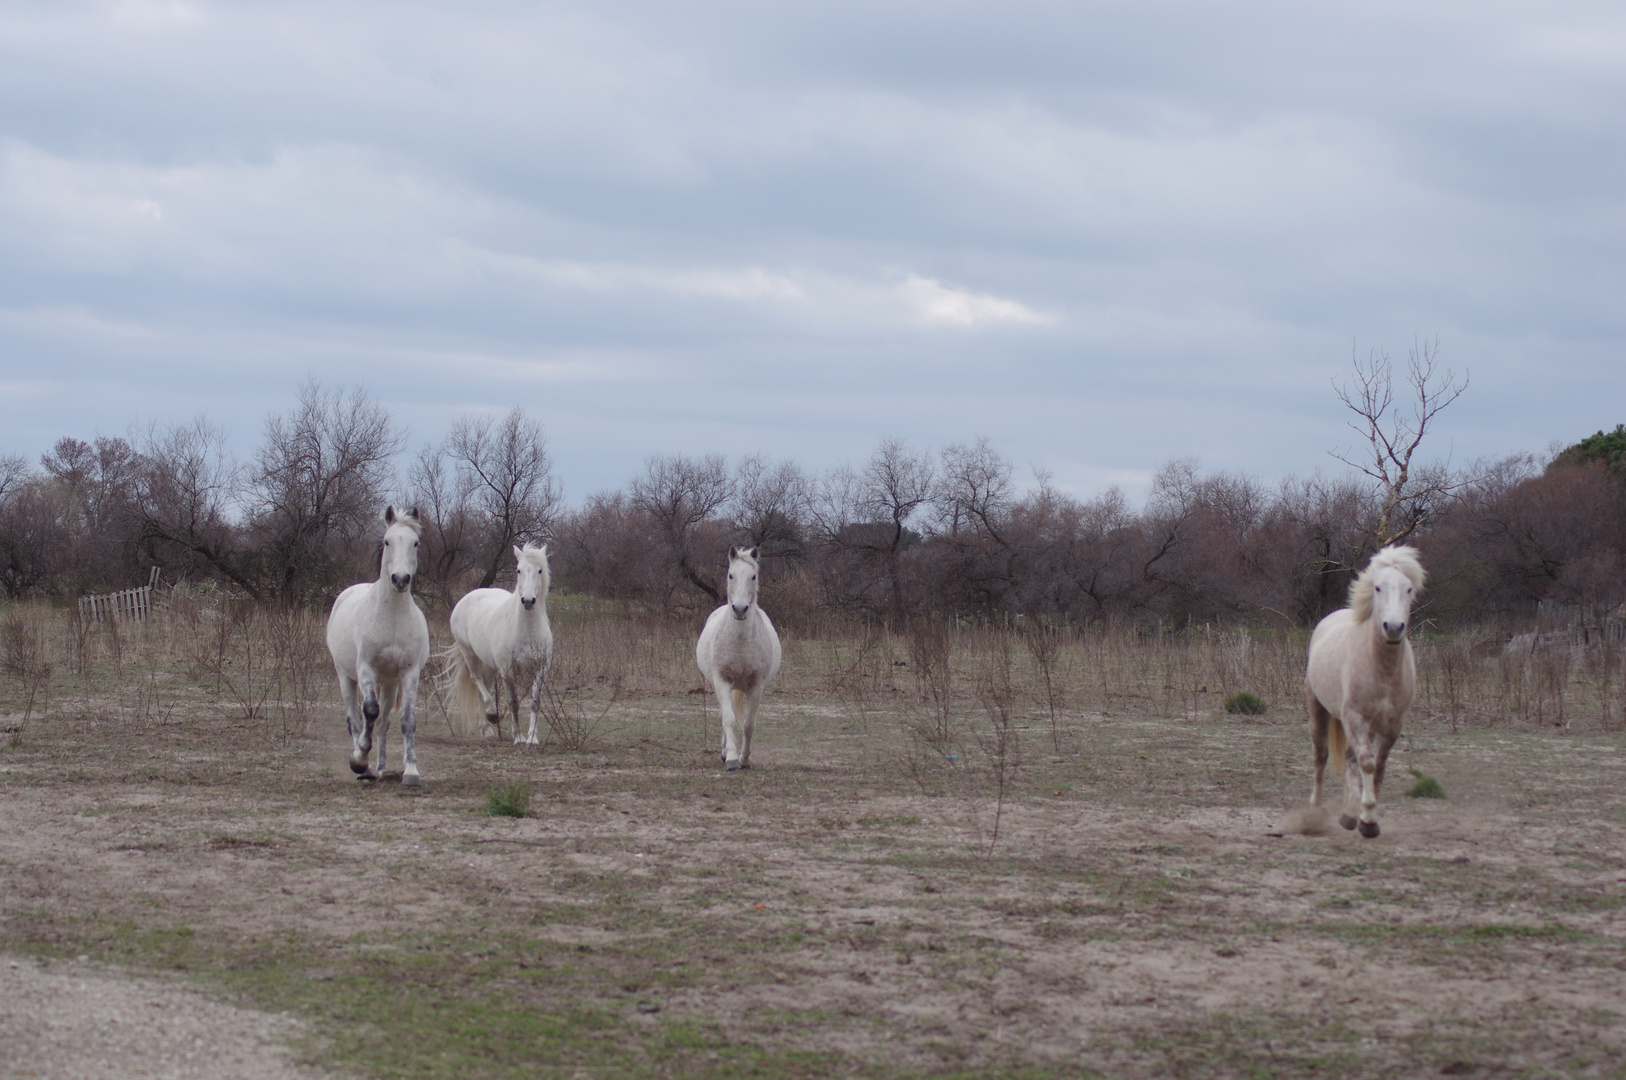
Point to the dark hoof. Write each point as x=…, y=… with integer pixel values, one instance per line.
x=412, y=780
x=358, y=767
x=368, y=776
x=390, y=776
x=1369, y=829
x=732, y=766
x=491, y=718
x=1346, y=821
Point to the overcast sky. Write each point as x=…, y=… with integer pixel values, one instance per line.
x=1101, y=235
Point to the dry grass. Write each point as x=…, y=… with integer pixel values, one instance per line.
x=958, y=855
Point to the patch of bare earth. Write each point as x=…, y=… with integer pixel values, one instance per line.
x=76, y=1020
x=1138, y=912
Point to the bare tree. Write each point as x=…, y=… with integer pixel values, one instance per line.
x=188, y=494
x=770, y=507
x=974, y=491
x=1407, y=494
x=871, y=511
x=318, y=482
x=451, y=527
x=679, y=495
x=513, y=483
x=14, y=473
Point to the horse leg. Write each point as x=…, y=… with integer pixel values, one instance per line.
x=727, y=701
x=1320, y=719
x=488, y=697
x=1386, y=743
x=409, y=730
x=1352, y=774
x=536, y=702
x=352, y=722
x=386, y=704
x=1362, y=759
x=753, y=698
x=367, y=686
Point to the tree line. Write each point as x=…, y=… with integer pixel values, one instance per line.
x=904, y=534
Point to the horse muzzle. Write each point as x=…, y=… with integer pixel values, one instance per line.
x=740, y=612
x=527, y=602
x=1393, y=634
x=402, y=582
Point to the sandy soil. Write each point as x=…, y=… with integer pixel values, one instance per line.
x=1137, y=908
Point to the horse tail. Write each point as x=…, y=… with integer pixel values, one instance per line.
x=738, y=697
x=1335, y=746
x=469, y=714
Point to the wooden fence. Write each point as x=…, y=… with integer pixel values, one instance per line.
x=134, y=604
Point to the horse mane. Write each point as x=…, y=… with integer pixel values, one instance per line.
x=1402, y=558
x=409, y=518
x=537, y=556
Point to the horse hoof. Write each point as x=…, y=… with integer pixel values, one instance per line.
x=732, y=766
x=367, y=776
x=358, y=767
x=412, y=780
x=1346, y=821
x=1369, y=829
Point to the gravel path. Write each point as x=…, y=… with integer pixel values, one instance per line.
x=74, y=1021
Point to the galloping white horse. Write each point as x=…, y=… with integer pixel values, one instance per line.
x=380, y=643
x=1360, y=679
x=500, y=635
x=738, y=653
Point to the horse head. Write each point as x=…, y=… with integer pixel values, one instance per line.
x=399, y=560
x=532, y=581
x=1386, y=589
x=742, y=580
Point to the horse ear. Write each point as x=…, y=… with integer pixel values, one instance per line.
x=733, y=553
x=414, y=515
x=519, y=556
x=752, y=553
x=389, y=515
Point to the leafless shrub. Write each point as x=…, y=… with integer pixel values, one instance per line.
x=24, y=663
x=1044, y=645
x=931, y=660
x=998, y=740
x=859, y=663
x=269, y=660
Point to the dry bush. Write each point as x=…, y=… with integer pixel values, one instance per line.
x=269, y=660
x=23, y=662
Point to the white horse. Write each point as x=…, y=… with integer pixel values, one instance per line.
x=380, y=643
x=1360, y=679
x=738, y=653
x=499, y=635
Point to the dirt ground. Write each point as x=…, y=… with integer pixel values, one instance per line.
x=208, y=896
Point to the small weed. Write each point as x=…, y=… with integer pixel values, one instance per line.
x=1245, y=703
x=510, y=800
x=1426, y=787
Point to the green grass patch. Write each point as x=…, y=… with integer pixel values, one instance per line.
x=511, y=800
x=1245, y=703
x=1424, y=786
